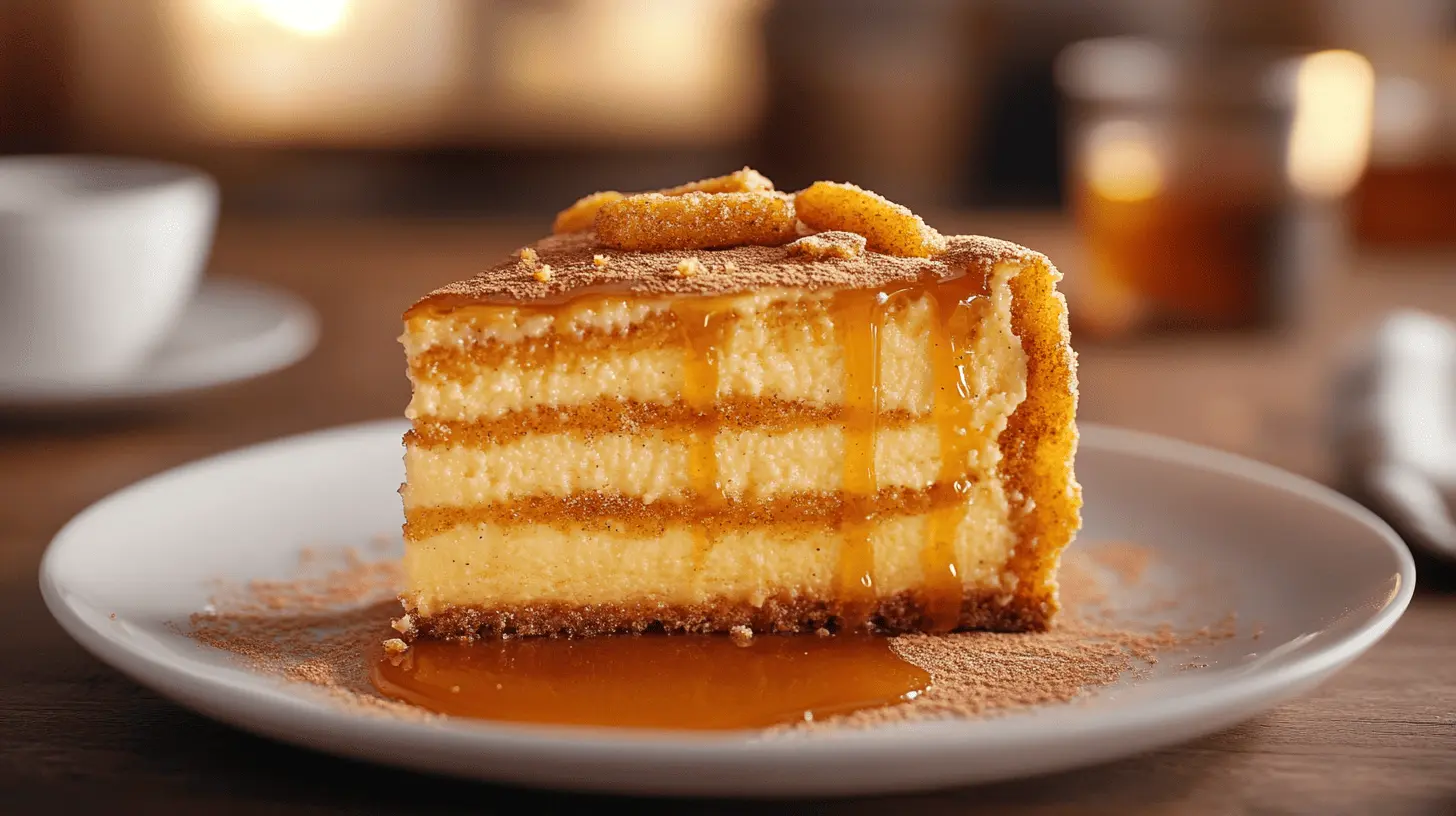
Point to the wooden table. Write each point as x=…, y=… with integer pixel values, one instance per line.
x=1380, y=738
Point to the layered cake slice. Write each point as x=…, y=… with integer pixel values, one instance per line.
x=721, y=405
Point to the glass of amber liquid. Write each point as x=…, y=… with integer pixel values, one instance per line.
x=1176, y=181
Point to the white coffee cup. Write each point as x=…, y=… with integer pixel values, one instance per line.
x=98, y=257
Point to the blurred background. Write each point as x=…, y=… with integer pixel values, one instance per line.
x=1234, y=189
x=485, y=106
x=1253, y=203
x=1193, y=125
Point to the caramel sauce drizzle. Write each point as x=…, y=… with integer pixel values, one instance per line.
x=703, y=321
x=857, y=316
x=678, y=682
x=959, y=305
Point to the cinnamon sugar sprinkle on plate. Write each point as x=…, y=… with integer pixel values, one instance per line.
x=321, y=628
x=1092, y=645
x=325, y=626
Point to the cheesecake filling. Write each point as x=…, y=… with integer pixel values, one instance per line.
x=784, y=349
x=504, y=325
x=932, y=429
x=656, y=465
x=492, y=565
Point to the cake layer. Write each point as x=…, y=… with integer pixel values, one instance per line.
x=607, y=415
x=494, y=565
x=784, y=349
x=656, y=465
x=480, y=325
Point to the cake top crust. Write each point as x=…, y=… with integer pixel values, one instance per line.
x=559, y=268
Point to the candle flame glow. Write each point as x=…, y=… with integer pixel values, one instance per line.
x=1122, y=162
x=309, y=17
x=1329, y=143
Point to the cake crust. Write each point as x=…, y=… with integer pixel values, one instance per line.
x=904, y=612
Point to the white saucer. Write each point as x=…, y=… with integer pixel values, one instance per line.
x=1324, y=578
x=232, y=330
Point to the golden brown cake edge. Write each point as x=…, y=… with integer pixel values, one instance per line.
x=1039, y=444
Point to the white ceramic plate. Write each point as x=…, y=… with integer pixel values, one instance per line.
x=232, y=330
x=1323, y=577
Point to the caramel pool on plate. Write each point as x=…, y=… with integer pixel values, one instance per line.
x=682, y=682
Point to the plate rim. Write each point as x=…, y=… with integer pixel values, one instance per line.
x=294, y=718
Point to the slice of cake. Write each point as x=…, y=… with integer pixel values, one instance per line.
x=721, y=405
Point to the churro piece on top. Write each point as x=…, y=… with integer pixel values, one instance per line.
x=653, y=222
x=887, y=227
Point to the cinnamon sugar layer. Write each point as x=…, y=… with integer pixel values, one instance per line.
x=616, y=512
x=609, y=415
x=727, y=271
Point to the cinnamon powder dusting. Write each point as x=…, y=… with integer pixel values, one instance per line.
x=324, y=628
x=321, y=628
x=1093, y=644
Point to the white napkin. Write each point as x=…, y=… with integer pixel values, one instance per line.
x=1395, y=423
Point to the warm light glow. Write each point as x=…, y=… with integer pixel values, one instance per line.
x=1122, y=162
x=391, y=72
x=311, y=17
x=633, y=69
x=358, y=72
x=1329, y=143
